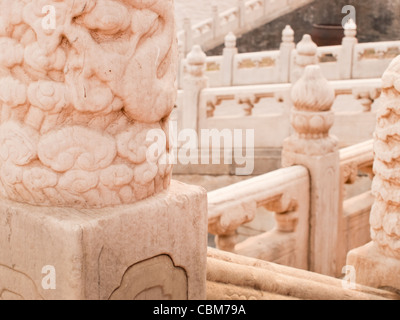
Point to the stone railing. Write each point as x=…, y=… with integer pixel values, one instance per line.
x=371, y=59
x=317, y=223
x=245, y=16
x=351, y=60
x=286, y=192
x=377, y=264
x=336, y=225
x=354, y=226
x=266, y=109
x=339, y=226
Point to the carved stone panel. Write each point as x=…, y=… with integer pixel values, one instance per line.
x=15, y=285
x=163, y=281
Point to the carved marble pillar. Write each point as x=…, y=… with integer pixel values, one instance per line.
x=313, y=147
x=378, y=263
x=81, y=100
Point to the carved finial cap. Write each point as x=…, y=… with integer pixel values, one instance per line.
x=196, y=56
x=230, y=40
x=313, y=92
x=196, y=62
x=306, y=46
x=288, y=34
x=350, y=28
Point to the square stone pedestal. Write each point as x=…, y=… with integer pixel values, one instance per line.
x=154, y=249
x=373, y=269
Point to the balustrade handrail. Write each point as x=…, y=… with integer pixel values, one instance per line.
x=350, y=60
x=338, y=85
x=361, y=154
x=267, y=188
x=246, y=18
x=256, y=192
x=255, y=88
x=269, y=90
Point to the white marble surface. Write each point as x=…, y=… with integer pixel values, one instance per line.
x=198, y=10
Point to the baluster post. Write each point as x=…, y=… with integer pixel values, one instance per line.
x=347, y=52
x=313, y=147
x=229, y=53
x=194, y=82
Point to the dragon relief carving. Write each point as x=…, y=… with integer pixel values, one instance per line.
x=385, y=214
x=78, y=101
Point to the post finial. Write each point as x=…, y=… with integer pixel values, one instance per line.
x=288, y=34
x=306, y=47
x=306, y=55
x=312, y=117
x=313, y=92
x=230, y=40
x=196, y=60
x=350, y=29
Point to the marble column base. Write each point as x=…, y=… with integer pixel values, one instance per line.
x=154, y=249
x=373, y=269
